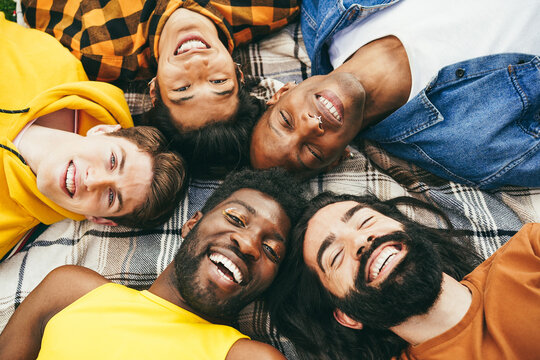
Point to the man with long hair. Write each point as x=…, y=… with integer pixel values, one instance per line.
x=370, y=283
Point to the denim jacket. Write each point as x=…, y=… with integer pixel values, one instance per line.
x=320, y=20
x=477, y=122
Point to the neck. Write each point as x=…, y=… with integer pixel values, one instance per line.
x=451, y=306
x=165, y=287
x=382, y=66
x=44, y=134
x=37, y=142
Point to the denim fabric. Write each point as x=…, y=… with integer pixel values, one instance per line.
x=477, y=122
x=320, y=20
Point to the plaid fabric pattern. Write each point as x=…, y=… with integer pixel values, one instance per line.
x=117, y=40
x=136, y=257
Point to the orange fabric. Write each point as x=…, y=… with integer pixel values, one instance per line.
x=503, y=321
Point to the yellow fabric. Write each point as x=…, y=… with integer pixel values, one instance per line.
x=503, y=319
x=39, y=74
x=116, y=322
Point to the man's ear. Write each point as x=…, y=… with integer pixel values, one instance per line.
x=188, y=225
x=274, y=99
x=346, y=320
x=242, y=80
x=101, y=221
x=152, y=88
x=103, y=129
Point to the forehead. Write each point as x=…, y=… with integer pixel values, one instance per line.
x=327, y=219
x=257, y=203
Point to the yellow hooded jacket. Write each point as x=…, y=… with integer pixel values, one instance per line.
x=38, y=77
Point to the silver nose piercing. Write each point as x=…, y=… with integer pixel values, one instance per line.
x=319, y=120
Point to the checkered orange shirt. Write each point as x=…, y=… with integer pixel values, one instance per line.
x=117, y=40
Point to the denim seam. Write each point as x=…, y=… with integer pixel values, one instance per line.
x=423, y=154
x=309, y=18
x=433, y=119
x=523, y=97
x=466, y=77
x=534, y=62
x=510, y=166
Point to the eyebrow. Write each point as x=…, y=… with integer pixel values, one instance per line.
x=181, y=100
x=186, y=98
x=248, y=207
x=350, y=213
x=325, y=244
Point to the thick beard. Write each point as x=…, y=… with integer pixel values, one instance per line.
x=203, y=300
x=411, y=289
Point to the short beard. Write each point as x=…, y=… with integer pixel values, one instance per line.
x=411, y=289
x=202, y=300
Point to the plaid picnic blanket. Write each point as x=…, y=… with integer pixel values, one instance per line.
x=136, y=257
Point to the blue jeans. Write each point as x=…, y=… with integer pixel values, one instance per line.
x=477, y=122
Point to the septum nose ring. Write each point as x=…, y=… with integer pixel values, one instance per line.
x=319, y=120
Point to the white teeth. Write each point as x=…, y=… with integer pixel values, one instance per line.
x=191, y=44
x=331, y=108
x=70, y=179
x=388, y=253
x=227, y=263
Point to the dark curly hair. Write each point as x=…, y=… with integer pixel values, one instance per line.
x=302, y=309
x=219, y=147
x=276, y=183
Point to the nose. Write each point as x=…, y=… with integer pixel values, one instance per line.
x=360, y=243
x=313, y=124
x=248, y=243
x=96, y=179
x=196, y=61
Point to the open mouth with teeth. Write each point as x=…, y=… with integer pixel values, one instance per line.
x=192, y=43
x=384, y=261
x=70, y=179
x=330, y=107
x=227, y=268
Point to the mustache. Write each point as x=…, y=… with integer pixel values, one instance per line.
x=397, y=236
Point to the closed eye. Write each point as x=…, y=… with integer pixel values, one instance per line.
x=335, y=257
x=314, y=153
x=272, y=254
x=365, y=222
x=285, y=121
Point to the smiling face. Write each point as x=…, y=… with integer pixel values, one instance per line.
x=97, y=176
x=308, y=126
x=232, y=254
x=336, y=238
x=376, y=273
x=196, y=74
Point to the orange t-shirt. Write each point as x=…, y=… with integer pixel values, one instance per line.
x=503, y=321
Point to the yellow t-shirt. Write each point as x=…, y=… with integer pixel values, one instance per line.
x=116, y=322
